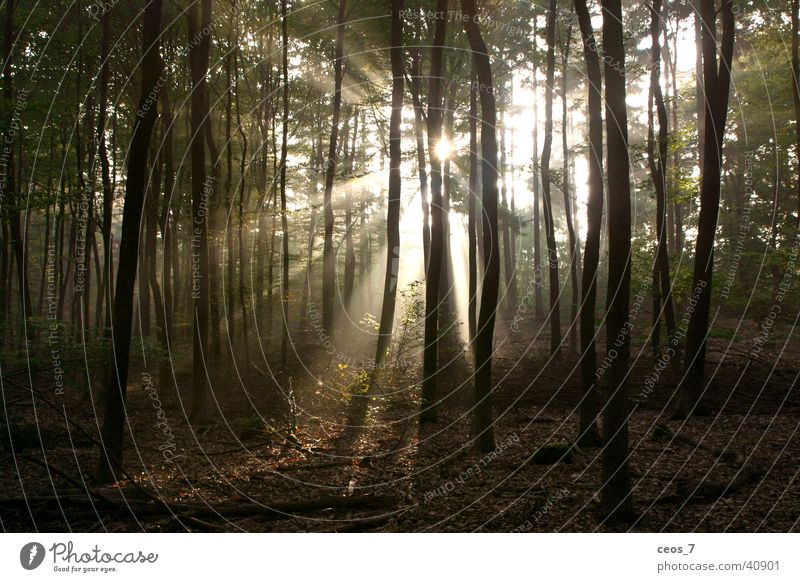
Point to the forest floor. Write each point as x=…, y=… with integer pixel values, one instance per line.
x=734, y=469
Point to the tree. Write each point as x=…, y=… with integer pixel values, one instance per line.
x=795, y=18
x=547, y=201
x=328, y=256
x=199, y=23
x=482, y=426
x=574, y=253
x=716, y=80
x=284, y=154
x=616, y=501
x=472, y=234
x=110, y=461
x=588, y=434
x=430, y=366
x=393, y=207
x=657, y=161
x=9, y=184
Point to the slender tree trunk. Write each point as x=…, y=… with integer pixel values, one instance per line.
x=108, y=192
x=716, y=79
x=110, y=461
x=657, y=161
x=199, y=19
x=421, y=165
x=796, y=89
x=9, y=187
x=482, y=422
x=284, y=155
x=552, y=249
x=433, y=278
x=472, y=214
x=241, y=199
x=574, y=254
x=508, y=268
x=328, y=255
x=536, y=176
x=616, y=500
x=588, y=433
x=393, y=209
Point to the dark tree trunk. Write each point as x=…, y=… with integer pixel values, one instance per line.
x=574, y=254
x=393, y=209
x=537, y=236
x=552, y=249
x=616, y=500
x=350, y=252
x=796, y=89
x=110, y=461
x=108, y=192
x=716, y=80
x=9, y=187
x=199, y=19
x=505, y=223
x=328, y=254
x=472, y=214
x=482, y=425
x=284, y=154
x=588, y=434
x=240, y=226
x=430, y=367
x=657, y=161
x=421, y=166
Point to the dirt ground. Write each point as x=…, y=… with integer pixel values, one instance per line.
x=249, y=469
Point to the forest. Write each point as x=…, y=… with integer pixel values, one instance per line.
x=400, y=266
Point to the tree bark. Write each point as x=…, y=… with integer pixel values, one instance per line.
x=574, y=254
x=199, y=19
x=284, y=154
x=716, y=79
x=110, y=461
x=482, y=422
x=328, y=255
x=393, y=208
x=552, y=249
x=430, y=367
x=658, y=160
x=616, y=500
x=588, y=433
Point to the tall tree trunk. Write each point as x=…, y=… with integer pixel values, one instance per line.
x=430, y=367
x=505, y=226
x=199, y=20
x=421, y=165
x=241, y=199
x=588, y=433
x=350, y=252
x=328, y=255
x=472, y=214
x=616, y=500
x=657, y=161
x=536, y=176
x=716, y=79
x=393, y=209
x=482, y=425
x=796, y=89
x=9, y=187
x=108, y=192
x=110, y=461
x=552, y=249
x=574, y=254
x=284, y=155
